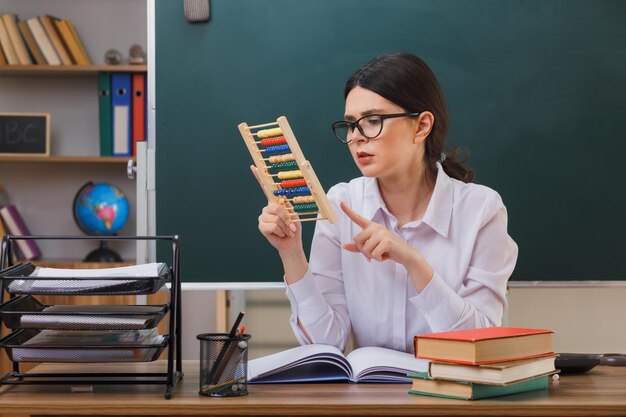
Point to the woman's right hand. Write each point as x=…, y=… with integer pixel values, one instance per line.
x=278, y=229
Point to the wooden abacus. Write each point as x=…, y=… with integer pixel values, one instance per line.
x=286, y=177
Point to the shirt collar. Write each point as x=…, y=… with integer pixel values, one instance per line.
x=438, y=213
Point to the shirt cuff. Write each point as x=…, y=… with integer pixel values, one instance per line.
x=440, y=305
x=307, y=302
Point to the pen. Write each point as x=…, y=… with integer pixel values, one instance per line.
x=216, y=370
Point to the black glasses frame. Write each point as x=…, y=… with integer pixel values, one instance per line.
x=356, y=124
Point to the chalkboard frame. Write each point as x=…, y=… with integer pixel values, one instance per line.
x=46, y=139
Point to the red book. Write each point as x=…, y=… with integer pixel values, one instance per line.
x=139, y=109
x=15, y=226
x=486, y=345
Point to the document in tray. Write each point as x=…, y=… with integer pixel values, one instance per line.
x=133, y=271
x=69, y=285
x=315, y=363
x=91, y=317
x=87, y=346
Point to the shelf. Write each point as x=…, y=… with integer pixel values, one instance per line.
x=66, y=70
x=68, y=159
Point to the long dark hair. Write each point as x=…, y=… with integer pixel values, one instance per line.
x=406, y=80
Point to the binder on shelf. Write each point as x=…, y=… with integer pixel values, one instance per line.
x=121, y=113
x=47, y=22
x=16, y=38
x=15, y=225
x=7, y=45
x=139, y=109
x=34, y=49
x=104, y=108
x=43, y=41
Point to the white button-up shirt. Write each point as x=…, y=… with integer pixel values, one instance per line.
x=463, y=237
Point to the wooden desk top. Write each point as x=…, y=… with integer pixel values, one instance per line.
x=600, y=392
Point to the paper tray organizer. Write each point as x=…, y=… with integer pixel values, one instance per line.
x=18, y=351
x=58, y=330
x=17, y=280
x=26, y=312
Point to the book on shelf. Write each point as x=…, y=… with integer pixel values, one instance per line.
x=15, y=226
x=499, y=373
x=318, y=363
x=3, y=59
x=50, y=28
x=7, y=45
x=424, y=385
x=10, y=22
x=486, y=345
x=34, y=49
x=70, y=42
x=43, y=41
x=81, y=46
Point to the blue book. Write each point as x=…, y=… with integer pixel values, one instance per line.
x=121, y=114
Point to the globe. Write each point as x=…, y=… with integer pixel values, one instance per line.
x=100, y=209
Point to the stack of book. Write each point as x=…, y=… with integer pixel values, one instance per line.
x=482, y=363
x=43, y=40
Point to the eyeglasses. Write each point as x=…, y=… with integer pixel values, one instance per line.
x=370, y=126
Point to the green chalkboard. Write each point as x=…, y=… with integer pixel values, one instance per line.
x=536, y=91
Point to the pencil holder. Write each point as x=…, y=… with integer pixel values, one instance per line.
x=223, y=364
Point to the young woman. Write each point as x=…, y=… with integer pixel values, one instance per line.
x=418, y=248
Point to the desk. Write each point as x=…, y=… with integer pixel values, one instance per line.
x=601, y=392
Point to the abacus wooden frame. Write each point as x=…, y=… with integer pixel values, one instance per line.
x=267, y=183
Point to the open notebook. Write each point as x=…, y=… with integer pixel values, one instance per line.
x=315, y=363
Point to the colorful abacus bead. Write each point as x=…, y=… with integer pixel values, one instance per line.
x=300, y=208
x=293, y=183
x=285, y=175
x=292, y=192
x=267, y=133
x=282, y=166
x=277, y=149
x=273, y=141
x=275, y=159
x=303, y=199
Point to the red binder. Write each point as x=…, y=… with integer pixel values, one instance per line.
x=139, y=109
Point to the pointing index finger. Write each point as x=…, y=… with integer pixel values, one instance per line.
x=360, y=221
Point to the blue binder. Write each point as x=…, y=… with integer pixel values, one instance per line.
x=121, y=113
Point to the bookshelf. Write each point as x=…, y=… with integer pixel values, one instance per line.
x=66, y=71
x=43, y=187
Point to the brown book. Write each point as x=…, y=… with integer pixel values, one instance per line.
x=7, y=45
x=486, y=345
x=47, y=22
x=32, y=44
x=10, y=23
x=70, y=42
x=3, y=60
x=81, y=46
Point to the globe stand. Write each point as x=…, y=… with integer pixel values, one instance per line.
x=103, y=254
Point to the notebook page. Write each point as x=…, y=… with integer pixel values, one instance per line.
x=372, y=361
